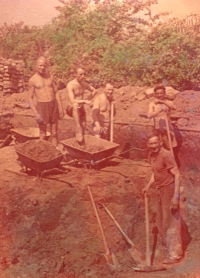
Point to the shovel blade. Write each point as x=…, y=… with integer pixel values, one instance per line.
x=149, y=268
x=137, y=257
x=112, y=261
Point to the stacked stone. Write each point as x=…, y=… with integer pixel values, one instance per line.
x=11, y=76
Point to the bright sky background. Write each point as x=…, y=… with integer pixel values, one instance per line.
x=39, y=12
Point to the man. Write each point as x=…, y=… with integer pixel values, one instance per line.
x=75, y=109
x=166, y=178
x=101, y=112
x=159, y=109
x=48, y=106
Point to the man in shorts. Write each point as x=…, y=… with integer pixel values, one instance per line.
x=48, y=107
x=101, y=112
x=159, y=109
x=75, y=95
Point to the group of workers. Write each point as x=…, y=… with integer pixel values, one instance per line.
x=165, y=173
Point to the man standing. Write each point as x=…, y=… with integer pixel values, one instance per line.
x=75, y=109
x=159, y=110
x=48, y=106
x=166, y=178
x=101, y=112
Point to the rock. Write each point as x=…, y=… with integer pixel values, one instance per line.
x=140, y=96
x=149, y=93
x=182, y=122
x=171, y=93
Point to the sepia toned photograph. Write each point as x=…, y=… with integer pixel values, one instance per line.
x=99, y=138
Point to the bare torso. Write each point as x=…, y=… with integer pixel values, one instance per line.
x=159, y=120
x=43, y=88
x=104, y=108
x=77, y=88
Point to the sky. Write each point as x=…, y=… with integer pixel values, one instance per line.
x=40, y=12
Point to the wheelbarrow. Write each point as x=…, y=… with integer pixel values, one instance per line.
x=38, y=166
x=94, y=149
x=22, y=135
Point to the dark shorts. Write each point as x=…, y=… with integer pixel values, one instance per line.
x=48, y=111
x=81, y=112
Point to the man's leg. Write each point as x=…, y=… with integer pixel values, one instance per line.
x=54, y=133
x=79, y=132
x=43, y=129
x=159, y=216
x=171, y=224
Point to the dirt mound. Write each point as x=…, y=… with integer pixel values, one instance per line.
x=38, y=150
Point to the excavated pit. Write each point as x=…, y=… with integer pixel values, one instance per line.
x=49, y=230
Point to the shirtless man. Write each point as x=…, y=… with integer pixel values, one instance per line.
x=48, y=106
x=101, y=112
x=157, y=110
x=75, y=109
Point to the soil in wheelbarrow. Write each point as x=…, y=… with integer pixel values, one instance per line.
x=88, y=147
x=38, y=150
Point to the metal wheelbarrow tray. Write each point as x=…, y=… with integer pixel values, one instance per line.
x=38, y=166
x=75, y=151
x=27, y=133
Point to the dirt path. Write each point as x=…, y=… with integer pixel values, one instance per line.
x=48, y=229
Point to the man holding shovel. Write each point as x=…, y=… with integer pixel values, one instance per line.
x=160, y=110
x=101, y=112
x=166, y=178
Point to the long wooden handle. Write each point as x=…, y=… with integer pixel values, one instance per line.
x=99, y=222
x=168, y=135
x=148, y=255
x=111, y=121
x=118, y=226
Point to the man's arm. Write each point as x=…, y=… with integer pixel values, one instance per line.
x=175, y=200
x=145, y=190
x=71, y=96
x=31, y=92
x=91, y=89
x=57, y=96
x=168, y=103
x=151, y=113
x=95, y=113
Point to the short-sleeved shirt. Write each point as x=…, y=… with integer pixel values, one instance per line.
x=161, y=164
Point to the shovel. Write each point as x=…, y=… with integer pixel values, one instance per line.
x=111, y=260
x=148, y=267
x=135, y=254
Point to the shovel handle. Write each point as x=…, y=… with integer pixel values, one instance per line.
x=118, y=226
x=148, y=255
x=111, y=121
x=99, y=222
x=168, y=134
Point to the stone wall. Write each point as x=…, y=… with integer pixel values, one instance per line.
x=11, y=76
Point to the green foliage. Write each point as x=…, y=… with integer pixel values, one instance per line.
x=107, y=40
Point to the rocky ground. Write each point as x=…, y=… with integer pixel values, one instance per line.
x=49, y=229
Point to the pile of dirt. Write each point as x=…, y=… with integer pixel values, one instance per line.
x=38, y=150
x=88, y=147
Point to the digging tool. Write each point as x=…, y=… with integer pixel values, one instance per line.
x=168, y=135
x=148, y=256
x=135, y=254
x=111, y=260
x=111, y=121
x=148, y=267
